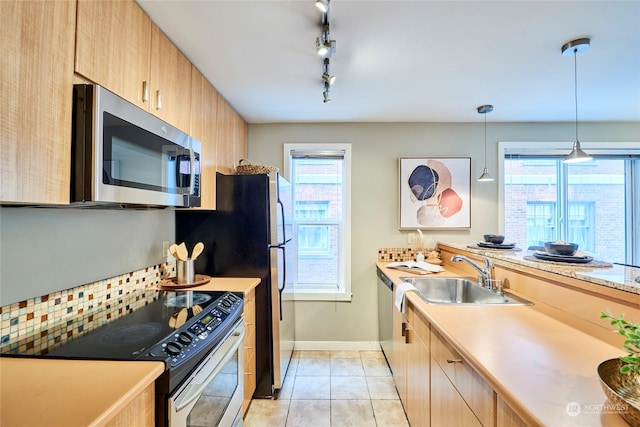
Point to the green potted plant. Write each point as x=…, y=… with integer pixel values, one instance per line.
x=620, y=377
x=631, y=334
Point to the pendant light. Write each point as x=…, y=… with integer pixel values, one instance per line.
x=484, y=109
x=574, y=47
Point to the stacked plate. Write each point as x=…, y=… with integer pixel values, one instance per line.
x=503, y=245
x=578, y=259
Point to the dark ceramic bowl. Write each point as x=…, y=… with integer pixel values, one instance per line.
x=561, y=248
x=494, y=238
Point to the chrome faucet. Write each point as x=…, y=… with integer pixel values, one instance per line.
x=486, y=273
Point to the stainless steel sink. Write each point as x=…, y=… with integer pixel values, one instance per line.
x=459, y=291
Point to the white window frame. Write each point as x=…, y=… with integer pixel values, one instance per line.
x=556, y=148
x=343, y=292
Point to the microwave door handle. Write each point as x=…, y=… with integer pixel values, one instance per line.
x=192, y=171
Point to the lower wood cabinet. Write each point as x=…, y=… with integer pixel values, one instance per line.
x=249, y=348
x=448, y=408
x=506, y=417
x=473, y=389
x=399, y=354
x=139, y=412
x=418, y=390
x=436, y=385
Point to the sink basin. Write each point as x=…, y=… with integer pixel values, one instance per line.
x=459, y=291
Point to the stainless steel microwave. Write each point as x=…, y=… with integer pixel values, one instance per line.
x=123, y=155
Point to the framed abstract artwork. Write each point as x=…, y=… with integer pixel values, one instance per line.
x=435, y=193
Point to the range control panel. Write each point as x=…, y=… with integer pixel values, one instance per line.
x=200, y=332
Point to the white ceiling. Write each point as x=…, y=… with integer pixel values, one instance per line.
x=406, y=61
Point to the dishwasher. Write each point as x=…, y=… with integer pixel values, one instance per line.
x=385, y=313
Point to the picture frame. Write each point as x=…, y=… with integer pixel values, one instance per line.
x=435, y=193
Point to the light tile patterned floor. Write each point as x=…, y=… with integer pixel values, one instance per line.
x=332, y=389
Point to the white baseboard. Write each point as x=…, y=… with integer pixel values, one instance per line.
x=337, y=345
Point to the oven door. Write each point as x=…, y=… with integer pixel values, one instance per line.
x=212, y=395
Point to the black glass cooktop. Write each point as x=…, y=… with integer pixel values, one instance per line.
x=128, y=337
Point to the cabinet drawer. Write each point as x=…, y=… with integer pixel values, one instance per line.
x=419, y=324
x=472, y=387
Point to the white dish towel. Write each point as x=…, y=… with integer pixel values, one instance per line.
x=401, y=290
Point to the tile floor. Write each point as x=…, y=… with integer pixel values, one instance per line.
x=332, y=389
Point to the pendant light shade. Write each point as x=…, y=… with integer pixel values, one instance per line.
x=573, y=48
x=486, y=176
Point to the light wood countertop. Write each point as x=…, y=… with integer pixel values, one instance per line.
x=57, y=392
x=231, y=284
x=54, y=392
x=537, y=364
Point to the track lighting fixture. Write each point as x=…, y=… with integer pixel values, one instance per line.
x=574, y=47
x=323, y=5
x=484, y=109
x=326, y=75
x=325, y=47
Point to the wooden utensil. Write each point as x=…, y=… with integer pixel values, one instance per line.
x=183, y=254
x=173, y=250
x=197, y=250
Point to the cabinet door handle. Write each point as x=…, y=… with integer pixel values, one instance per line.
x=145, y=91
x=454, y=360
x=158, y=99
x=404, y=329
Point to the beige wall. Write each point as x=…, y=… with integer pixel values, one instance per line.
x=376, y=148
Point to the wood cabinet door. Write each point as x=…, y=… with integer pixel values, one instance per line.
x=226, y=137
x=170, y=81
x=249, y=348
x=399, y=354
x=506, y=417
x=418, y=384
x=448, y=408
x=113, y=47
x=204, y=104
x=36, y=86
x=240, y=138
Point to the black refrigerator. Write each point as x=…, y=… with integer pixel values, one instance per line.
x=248, y=235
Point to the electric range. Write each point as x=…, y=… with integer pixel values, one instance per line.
x=178, y=328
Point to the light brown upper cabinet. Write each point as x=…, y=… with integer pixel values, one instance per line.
x=35, y=82
x=232, y=137
x=204, y=104
x=113, y=48
x=170, y=81
x=119, y=48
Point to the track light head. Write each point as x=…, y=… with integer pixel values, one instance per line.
x=326, y=97
x=328, y=78
x=323, y=5
x=321, y=47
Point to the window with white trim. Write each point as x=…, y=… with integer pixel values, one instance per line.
x=594, y=204
x=320, y=176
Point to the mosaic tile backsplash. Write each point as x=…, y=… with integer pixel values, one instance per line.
x=397, y=254
x=42, y=324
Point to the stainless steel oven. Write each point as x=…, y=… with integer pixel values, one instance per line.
x=212, y=394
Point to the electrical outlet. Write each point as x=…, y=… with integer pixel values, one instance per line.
x=412, y=238
x=165, y=249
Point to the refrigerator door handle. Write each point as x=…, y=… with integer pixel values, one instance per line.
x=284, y=235
x=284, y=276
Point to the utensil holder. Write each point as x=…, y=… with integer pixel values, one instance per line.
x=186, y=272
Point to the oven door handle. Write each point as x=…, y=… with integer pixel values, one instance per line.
x=195, y=390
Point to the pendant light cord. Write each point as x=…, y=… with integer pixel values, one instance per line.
x=575, y=85
x=485, y=140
